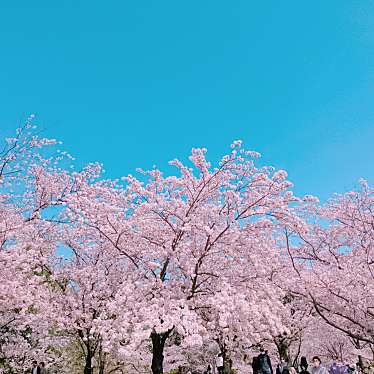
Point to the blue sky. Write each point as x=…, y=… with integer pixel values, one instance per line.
x=137, y=83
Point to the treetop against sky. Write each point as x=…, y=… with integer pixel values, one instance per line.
x=135, y=84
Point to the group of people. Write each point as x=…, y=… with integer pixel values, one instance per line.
x=262, y=365
x=317, y=368
x=38, y=368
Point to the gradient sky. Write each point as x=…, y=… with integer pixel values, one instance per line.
x=137, y=83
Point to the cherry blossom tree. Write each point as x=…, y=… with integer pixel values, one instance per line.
x=79, y=286
x=334, y=262
x=297, y=316
x=330, y=344
x=159, y=269
x=79, y=305
x=244, y=314
x=25, y=246
x=188, y=236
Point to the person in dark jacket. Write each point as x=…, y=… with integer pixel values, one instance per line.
x=303, y=366
x=264, y=363
x=255, y=365
x=35, y=368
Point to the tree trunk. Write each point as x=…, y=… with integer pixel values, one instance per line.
x=88, y=366
x=102, y=367
x=283, y=349
x=158, y=345
x=226, y=360
x=102, y=357
x=226, y=367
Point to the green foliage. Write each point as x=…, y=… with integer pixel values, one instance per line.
x=172, y=371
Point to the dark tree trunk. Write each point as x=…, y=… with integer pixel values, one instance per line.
x=227, y=364
x=283, y=349
x=226, y=360
x=102, y=367
x=226, y=367
x=158, y=345
x=102, y=359
x=88, y=366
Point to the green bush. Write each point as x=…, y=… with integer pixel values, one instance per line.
x=172, y=371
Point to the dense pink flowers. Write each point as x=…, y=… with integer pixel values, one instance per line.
x=219, y=257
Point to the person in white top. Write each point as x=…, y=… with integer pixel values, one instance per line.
x=317, y=367
x=219, y=363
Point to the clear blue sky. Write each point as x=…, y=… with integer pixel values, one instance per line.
x=137, y=83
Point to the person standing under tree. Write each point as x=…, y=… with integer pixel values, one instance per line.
x=219, y=363
x=264, y=363
x=303, y=366
x=282, y=367
x=338, y=368
x=317, y=367
x=35, y=368
x=255, y=365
